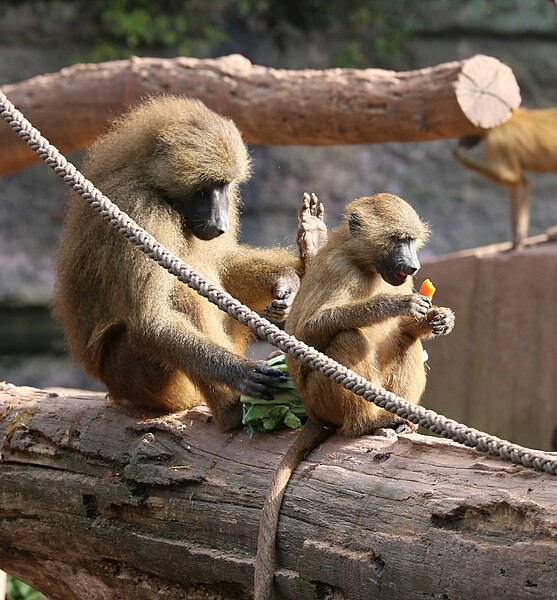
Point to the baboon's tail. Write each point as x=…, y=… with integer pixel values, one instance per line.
x=311, y=436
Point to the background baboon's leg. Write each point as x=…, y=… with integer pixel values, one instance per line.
x=520, y=211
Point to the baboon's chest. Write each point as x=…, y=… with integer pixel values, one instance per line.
x=388, y=349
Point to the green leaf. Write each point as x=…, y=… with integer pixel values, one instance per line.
x=285, y=410
x=292, y=421
x=18, y=590
x=272, y=423
x=280, y=359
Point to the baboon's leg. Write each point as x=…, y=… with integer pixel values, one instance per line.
x=520, y=212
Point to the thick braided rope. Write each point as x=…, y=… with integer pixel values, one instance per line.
x=262, y=327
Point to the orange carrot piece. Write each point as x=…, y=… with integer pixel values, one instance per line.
x=427, y=289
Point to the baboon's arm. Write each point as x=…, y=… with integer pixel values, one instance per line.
x=261, y=277
x=172, y=338
x=328, y=321
x=267, y=279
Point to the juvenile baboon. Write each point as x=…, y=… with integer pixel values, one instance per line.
x=174, y=166
x=356, y=305
x=526, y=142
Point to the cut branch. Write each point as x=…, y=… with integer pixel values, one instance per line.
x=99, y=502
x=270, y=106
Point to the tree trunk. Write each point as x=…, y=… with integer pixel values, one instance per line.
x=270, y=106
x=100, y=502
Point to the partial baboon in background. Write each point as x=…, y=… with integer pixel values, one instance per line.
x=356, y=305
x=174, y=166
x=527, y=142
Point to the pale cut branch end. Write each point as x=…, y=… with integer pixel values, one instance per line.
x=487, y=91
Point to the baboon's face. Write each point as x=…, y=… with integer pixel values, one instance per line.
x=386, y=233
x=203, y=210
x=400, y=262
x=195, y=166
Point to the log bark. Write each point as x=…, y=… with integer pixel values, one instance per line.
x=100, y=502
x=270, y=106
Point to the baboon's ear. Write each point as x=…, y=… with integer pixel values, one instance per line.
x=355, y=223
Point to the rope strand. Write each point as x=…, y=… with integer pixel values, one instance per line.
x=263, y=328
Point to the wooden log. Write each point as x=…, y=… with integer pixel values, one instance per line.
x=270, y=106
x=100, y=502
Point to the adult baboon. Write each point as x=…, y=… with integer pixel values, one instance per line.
x=174, y=166
x=526, y=142
x=356, y=305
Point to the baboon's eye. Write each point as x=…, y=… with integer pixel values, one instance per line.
x=205, y=191
x=403, y=239
x=355, y=223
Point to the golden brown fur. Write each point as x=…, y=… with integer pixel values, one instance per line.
x=348, y=310
x=527, y=142
x=148, y=337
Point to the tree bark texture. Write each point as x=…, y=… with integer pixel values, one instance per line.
x=100, y=502
x=270, y=106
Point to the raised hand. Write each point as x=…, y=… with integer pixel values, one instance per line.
x=311, y=235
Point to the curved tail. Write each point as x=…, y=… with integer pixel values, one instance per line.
x=311, y=436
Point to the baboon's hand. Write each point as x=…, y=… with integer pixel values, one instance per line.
x=260, y=380
x=416, y=306
x=311, y=235
x=285, y=290
x=441, y=320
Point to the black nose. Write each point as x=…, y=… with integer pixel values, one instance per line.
x=411, y=269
